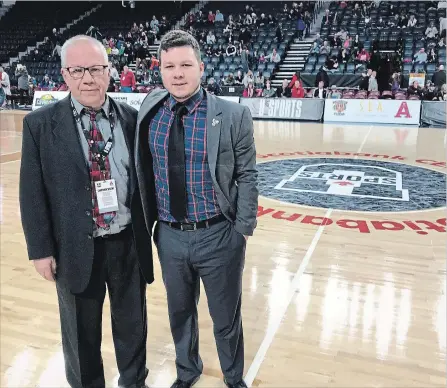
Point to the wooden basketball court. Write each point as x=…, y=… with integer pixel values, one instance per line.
x=340, y=290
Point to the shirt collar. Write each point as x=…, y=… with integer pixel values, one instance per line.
x=191, y=104
x=79, y=107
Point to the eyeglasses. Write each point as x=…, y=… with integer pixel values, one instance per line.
x=78, y=72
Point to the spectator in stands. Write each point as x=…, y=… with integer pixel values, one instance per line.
x=429, y=91
x=343, y=56
x=439, y=77
x=245, y=58
x=420, y=57
x=322, y=76
x=268, y=91
x=284, y=90
x=300, y=27
x=395, y=82
x=259, y=81
x=327, y=18
x=372, y=83
x=335, y=93
x=325, y=49
x=431, y=32
x=364, y=83
x=154, y=22
x=441, y=95
x=4, y=88
x=273, y=57
x=211, y=38
x=431, y=55
x=46, y=82
x=296, y=77
x=363, y=56
x=245, y=37
x=229, y=81
x=415, y=89
x=248, y=78
x=249, y=90
x=318, y=40
x=320, y=92
x=239, y=78
x=213, y=87
x=315, y=50
x=219, y=17
x=22, y=83
x=297, y=90
x=412, y=22
x=211, y=18
x=127, y=80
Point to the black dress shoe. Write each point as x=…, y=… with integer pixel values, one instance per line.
x=239, y=384
x=185, y=384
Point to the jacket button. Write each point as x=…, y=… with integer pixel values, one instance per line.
x=90, y=236
x=87, y=188
x=87, y=212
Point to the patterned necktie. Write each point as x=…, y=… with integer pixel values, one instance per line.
x=97, y=144
x=176, y=166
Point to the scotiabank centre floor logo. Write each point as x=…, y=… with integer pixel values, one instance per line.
x=352, y=184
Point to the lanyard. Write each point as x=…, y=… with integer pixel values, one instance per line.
x=98, y=157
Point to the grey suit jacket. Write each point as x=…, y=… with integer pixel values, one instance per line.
x=231, y=159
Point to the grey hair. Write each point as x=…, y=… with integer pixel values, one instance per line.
x=179, y=38
x=82, y=38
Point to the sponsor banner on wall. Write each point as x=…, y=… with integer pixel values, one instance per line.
x=373, y=111
x=42, y=98
x=285, y=108
x=433, y=114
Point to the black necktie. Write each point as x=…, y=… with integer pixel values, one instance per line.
x=176, y=166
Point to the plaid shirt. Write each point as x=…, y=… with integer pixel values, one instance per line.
x=202, y=200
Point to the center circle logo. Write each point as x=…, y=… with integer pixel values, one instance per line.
x=352, y=184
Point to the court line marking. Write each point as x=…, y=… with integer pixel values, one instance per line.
x=294, y=287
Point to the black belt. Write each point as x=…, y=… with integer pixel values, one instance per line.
x=196, y=225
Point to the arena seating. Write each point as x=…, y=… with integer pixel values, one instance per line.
x=111, y=19
x=29, y=22
x=263, y=39
x=385, y=39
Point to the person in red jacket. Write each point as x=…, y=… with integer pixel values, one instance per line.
x=297, y=90
x=127, y=80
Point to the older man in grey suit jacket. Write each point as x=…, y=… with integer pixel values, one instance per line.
x=195, y=154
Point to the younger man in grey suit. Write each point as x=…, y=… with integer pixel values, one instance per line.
x=195, y=153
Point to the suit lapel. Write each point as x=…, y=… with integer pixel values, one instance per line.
x=66, y=134
x=213, y=128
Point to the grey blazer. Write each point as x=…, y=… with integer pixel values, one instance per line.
x=231, y=159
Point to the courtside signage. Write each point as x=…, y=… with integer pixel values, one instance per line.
x=373, y=111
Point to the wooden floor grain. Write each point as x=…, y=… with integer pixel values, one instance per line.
x=366, y=309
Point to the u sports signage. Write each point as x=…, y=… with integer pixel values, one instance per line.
x=307, y=109
x=373, y=111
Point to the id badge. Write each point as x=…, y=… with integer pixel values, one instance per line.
x=106, y=196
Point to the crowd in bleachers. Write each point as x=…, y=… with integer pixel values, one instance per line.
x=382, y=43
x=242, y=45
x=379, y=42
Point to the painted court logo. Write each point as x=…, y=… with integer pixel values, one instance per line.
x=352, y=184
